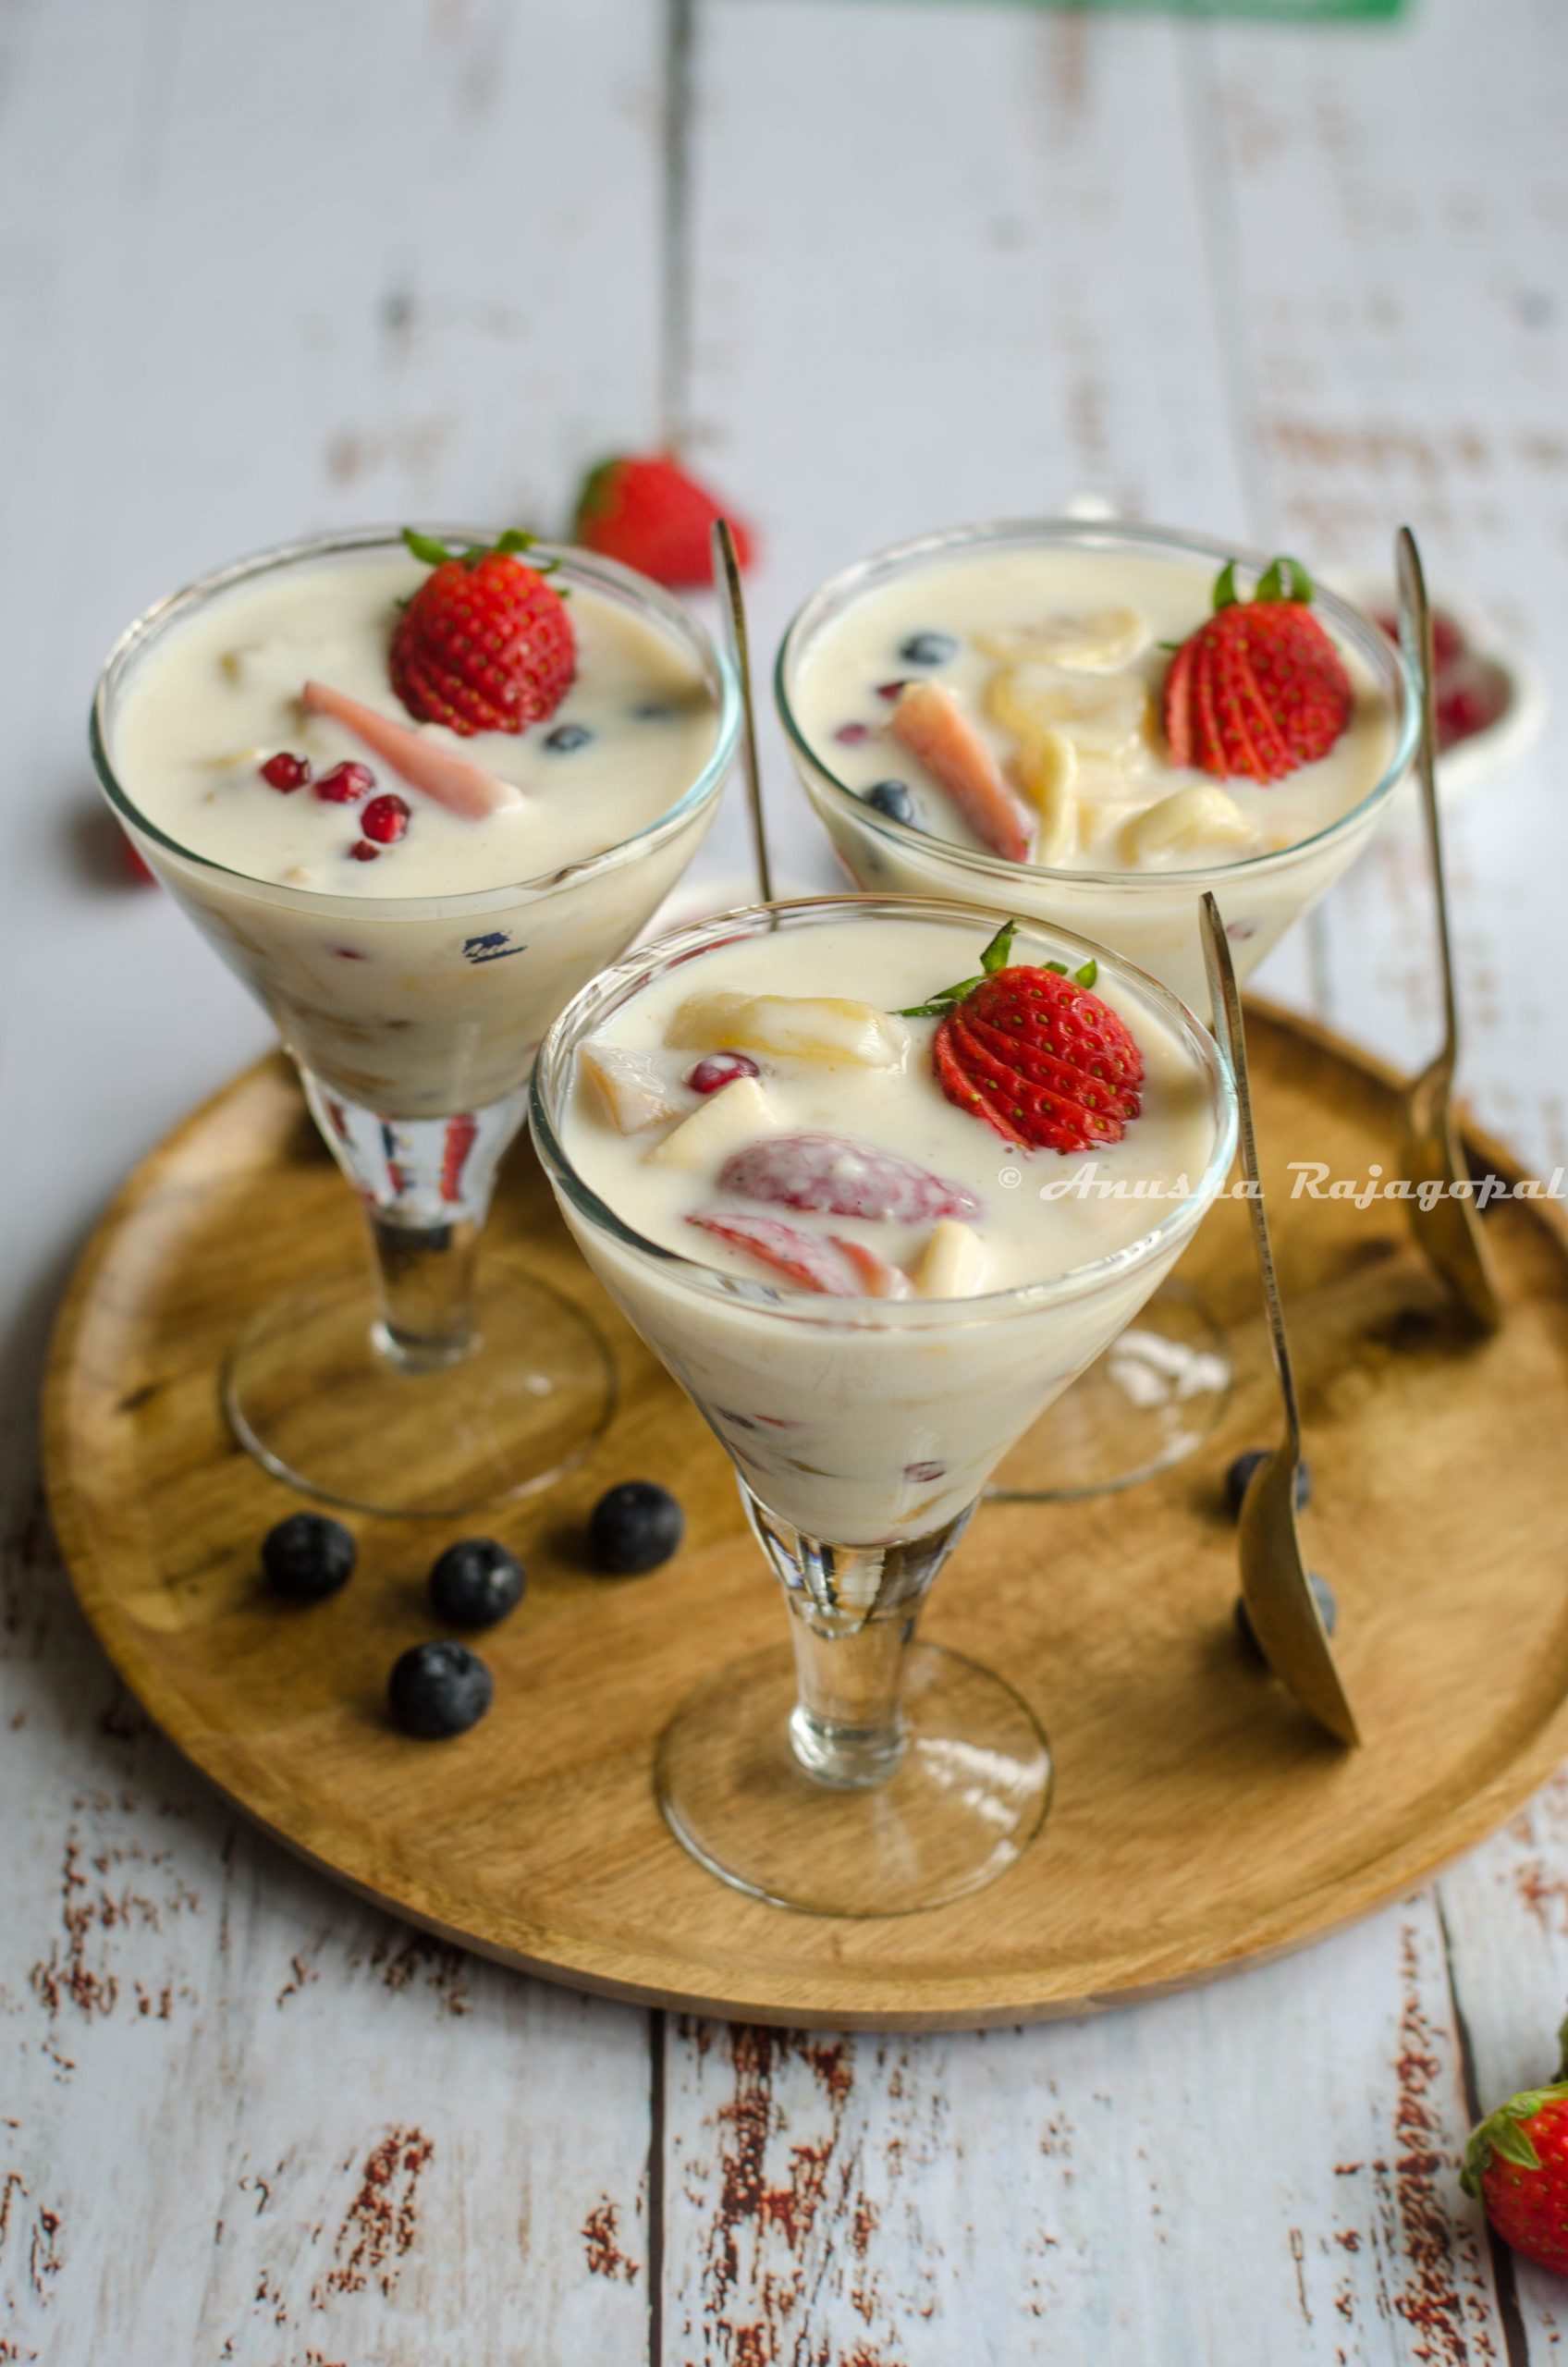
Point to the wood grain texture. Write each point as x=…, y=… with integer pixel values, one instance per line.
x=539, y=1840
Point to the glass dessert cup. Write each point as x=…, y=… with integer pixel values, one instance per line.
x=423, y=1384
x=856, y=1770
x=1158, y=1392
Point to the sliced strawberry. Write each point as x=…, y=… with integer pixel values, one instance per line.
x=485, y=645
x=1057, y=1015
x=961, y=1089
x=1045, y=1069
x=1049, y=1121
x=803, y=1257
x=451, y=779
x=930, y=723
x=878, y=1278
x=843, y=1178
x=1265, y=745
x=1179, y=728
x=1040, y=1059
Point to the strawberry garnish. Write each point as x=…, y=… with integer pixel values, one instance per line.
x=485, y=645
x=1517, y=2162
x=1259, y=689
x=1034, y=1053
x=650, y=515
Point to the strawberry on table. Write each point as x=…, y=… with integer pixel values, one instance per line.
x=1259, y=689
x=1034, y=1054
x=485, y=645
x=1516, y=2163
x=652, y=515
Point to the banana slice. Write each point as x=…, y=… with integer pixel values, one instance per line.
x=1046, y=767
x=1191, y=821
x=631, y=1091
x=1104, y=716
x=953, y=1262
x=1098, y=642
x=825, y=1028
x=726, y=1123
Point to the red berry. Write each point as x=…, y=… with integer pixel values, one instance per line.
x=485, y=645
x=650, y=515
x=850, y=735
x=1518, y=2163
x=362, y=851
x=1257, y=692
x=137, y=866
x=385, y=818
x=722, y=1068
x=345, y=784
x=847, y=1179
x=1042, y=1060
x=892, y=690
x=286, y=772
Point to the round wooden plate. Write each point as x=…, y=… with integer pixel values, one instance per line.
x=1199, y=1824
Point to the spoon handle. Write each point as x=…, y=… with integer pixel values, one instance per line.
x=726, y=574
x=1226, y=1001
x=1415, y=640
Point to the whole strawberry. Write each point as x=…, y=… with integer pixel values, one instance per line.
x=650, y=515
x=1259, y=689
x=1516, y=2163
x=485, y=645
x=1046, y=1064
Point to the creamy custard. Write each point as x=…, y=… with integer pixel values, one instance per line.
x=862, y=1420
x=438, y=1008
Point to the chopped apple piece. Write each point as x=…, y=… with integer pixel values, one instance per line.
x=1099, y=642
x=1189, y=820
x=1104, y=714
x=1048, y=773
x=719, y=1127
x=629, y=1090
x=930, y=723
x=953, y=1262
x=824, y=1028
x=452, y=780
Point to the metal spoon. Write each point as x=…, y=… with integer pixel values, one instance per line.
x=1447, y=1228
x=727, y=576
x=1280, y=1600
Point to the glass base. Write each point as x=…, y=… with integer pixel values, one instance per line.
x=964, y=1802
x=1151, y=1398
x=312, y=1396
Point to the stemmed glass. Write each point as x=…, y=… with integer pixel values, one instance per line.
x=424, y=1386
x=855, y=1771
x=1154, y=1395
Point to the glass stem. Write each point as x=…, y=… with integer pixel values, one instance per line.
x=424, y=1185
x=424, y=1286
x=852, y=1611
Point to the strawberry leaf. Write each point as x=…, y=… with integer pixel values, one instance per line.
x=426, y=547
x=993, y=959
x=1286, y=578
x=1087, y=975
x=1225, y=593
x=995, y=956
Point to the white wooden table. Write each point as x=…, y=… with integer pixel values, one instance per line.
x=880, y=265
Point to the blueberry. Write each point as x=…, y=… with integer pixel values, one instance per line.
x=568, y=736
x=1239, y=1477
x=892, y=798
x=634, y=1528
x=476, y=1582
x=1322, y=1595
x=652, y=711
x=928, y=649
x=438, y=1689
x=308, y=1557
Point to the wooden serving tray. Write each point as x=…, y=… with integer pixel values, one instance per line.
x=1199, y=1824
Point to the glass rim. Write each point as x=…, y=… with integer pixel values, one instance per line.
x=617, y=983
x=585, y=566
x=1366, y=637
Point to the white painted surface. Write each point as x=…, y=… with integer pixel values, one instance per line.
x=268, y=268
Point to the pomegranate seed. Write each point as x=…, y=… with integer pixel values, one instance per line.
x=362, y=851
x=137, y=866
x=722, y=1068
x=345, y=784
x=384, y=819
x=850, y=735
x=286, y=772
x=890, y=691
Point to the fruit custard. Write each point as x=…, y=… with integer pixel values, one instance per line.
x=1094, y=724
x=379, y=777
x=853, y=1115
